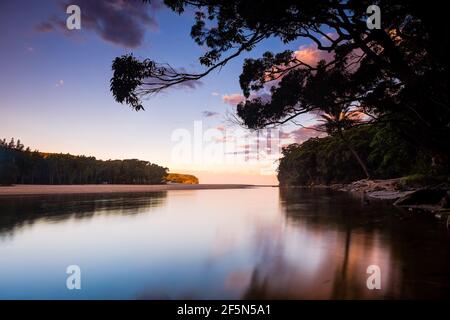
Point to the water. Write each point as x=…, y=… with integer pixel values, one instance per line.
x=210, y=244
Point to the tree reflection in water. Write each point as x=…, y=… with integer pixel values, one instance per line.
x=331, y=238
x=17, y=212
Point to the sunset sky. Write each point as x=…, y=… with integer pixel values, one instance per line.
x=55, y=85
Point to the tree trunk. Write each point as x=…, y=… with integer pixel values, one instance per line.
x=355, y=154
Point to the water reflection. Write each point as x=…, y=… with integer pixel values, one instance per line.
x=207, y=244
x=331, y=238
x=18, y=212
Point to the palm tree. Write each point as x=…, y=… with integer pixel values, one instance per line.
x=337, y=120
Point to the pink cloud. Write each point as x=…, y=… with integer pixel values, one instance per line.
x=233, y=99
x=304, y=133
x=308, y=54
x=285, y=135
x=311, y=55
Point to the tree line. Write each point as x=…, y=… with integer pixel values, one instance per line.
x=20, y=165
x=329, y=160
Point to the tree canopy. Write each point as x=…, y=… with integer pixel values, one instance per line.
x=328, y=160
x=21, y=165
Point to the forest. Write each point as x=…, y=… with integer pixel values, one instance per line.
x=328, y=160
x=20, y=165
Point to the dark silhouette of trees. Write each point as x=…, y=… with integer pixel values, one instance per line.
x=397, y=74
x=339, y=120
x=329, y=160
x=23, y=166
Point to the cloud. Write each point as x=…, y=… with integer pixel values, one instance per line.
x=285, y=135
x=209, y=114
x=310, y=55
x=45, y=26
x=304, y=133
x=120, y=22
x=60, y=83
x=236, y=98
x=233, y=99
x=220, y=127
x=215, y=94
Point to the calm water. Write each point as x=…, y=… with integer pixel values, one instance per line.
x=209, y=244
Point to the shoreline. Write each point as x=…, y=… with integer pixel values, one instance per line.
x=433, y=199
x=25, y=190
x=372, y=189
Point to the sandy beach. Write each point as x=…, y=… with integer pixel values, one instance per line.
x=107, y=188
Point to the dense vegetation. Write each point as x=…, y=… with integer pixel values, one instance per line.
x=328, y=160
x=21, y=165
x=181, y=178
x=368, y=80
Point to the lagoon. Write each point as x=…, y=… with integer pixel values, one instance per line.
x=253, y=243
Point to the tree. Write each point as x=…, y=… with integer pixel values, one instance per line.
x=19, y=165
x=397, y=73
x=8, y=173
x=329, y=160
x=338, y=121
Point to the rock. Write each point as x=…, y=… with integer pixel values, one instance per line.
x=424, y=196
x=388, y=195
x=373, y=185
x=443, y=215
x=445, y=201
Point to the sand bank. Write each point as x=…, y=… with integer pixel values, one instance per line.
x=107, y=188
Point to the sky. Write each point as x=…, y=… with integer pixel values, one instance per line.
x=54, y=89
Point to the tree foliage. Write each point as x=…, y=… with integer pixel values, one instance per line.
x=19, y=165
x=328, y=160
x=181, y=178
